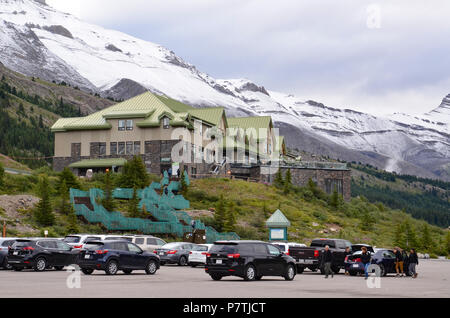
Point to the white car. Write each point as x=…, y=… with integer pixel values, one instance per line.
x=198, y=254
x=284, y=247
x=78, y=240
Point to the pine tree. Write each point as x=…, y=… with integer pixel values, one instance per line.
x=134, y=174
x=72, y=222
x=278, y=182
x=220, y=215
x=2, y=174
x=410, y=234
x=108, y=201
x=265, y=211
x=183, y=184
x=230, y=218
x=65, y=199
x=399, y=236
x=426, y=240
x=69, y=178
x=334, y=199
x=133, y=205
x=288, y=182
x=43, y=213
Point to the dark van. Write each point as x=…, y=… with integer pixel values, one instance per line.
x=250, y=260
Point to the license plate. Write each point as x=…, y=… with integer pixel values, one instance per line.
x=161, y=253
x=16, y=253
x=355, y=266
x=87, y=256
x=218, y=261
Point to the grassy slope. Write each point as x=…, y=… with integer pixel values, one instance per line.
x=250, y=199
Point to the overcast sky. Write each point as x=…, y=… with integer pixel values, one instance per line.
x=374, y=56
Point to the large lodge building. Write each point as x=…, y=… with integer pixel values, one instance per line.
x=201, y=141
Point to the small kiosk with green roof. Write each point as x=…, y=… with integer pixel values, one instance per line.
x=278, y=226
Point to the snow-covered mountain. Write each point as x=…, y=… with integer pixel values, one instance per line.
x=37, y=40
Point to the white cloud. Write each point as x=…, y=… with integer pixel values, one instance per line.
x=320, y=50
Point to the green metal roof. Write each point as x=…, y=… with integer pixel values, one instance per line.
x=99, y=163
x=278, y=219
x=212, y=116
x=250, y=122
x=174, y=105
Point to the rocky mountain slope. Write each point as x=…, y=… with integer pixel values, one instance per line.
x=37, y=40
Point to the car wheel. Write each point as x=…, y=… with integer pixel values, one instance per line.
x=290, y=272
x=300, y=269
x=87, y=271
x=112, y=268
x=151, y=267
x=182, y=261
x=17, y=269
x=40, y=264
x=216, y=276
x=59, y=268
x=127, y=271
x=250, y=273
x=6, y=265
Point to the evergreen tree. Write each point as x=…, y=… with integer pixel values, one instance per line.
x=43, y=213
x=230, y=218
x=334, y=199
x=2, y=174
x=65, y=199
x=410, y=235
x=399, y=236
x=447, y=243
x=265, y=211
x=287, y=182
x=108, y=201
x=134, y=174
x=133, y=205
x=72, y=222
x=426, y=240
x=220, y=215
x=66, y=176
x=278, y=182
x=183, y=184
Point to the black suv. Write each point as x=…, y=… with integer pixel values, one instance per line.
x=112, y=256
x=41, y=254
x=250, y=260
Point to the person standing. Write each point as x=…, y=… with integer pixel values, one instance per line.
x=413, y=261
x=170, y=172
x=327, y=259
x=398, y=262
x=347, y=252
x=365, y=259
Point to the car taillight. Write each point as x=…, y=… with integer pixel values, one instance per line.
x=28, y=248
x=234, y=255
x=78, y=246
x=208, y=255
x=172, y=252
x=346, y=259
x=288, y=252
x=204, y=253
x=358, y=260
x=190, y=253
x=156, y=252
x=316, y=254
x=101, y=252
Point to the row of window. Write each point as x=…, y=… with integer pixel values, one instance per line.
x=125, y=148
x=128, y=124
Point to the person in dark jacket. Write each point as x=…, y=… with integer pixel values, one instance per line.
x=348, y=252
x=365, y=259
x=398, y=262
x=327, y=259
x=413, y=261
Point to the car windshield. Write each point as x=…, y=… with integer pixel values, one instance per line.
x=322, y=243
x=200, y=248
x=72, y=239
x=93, y=246
x=223, y=248
x=20, y=244
x=8, y=243
x=281, y=247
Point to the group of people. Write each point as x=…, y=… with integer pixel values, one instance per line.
x=401, y=257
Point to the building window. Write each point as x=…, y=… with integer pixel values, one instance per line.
x=121, y=125
x=75, y=150
x=113, y=148
x=102, y=149
x=129, y=148
x=129, y=124
x=137, y=147
x=166, y=123
x=121, y=148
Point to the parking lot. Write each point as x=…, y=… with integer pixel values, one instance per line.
x=186, y=282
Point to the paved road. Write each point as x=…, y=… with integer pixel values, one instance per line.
x=176, y=282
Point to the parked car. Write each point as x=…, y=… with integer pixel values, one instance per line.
x=311, y=257
x=5, y=243
x=147, y=242
x=41, y=254
x=175, y=253
x=384, y=258
x=250, y=260
x=114, y=255
x=284, y=247
x=198, y=255
x=357, y=247
x=78, y=240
